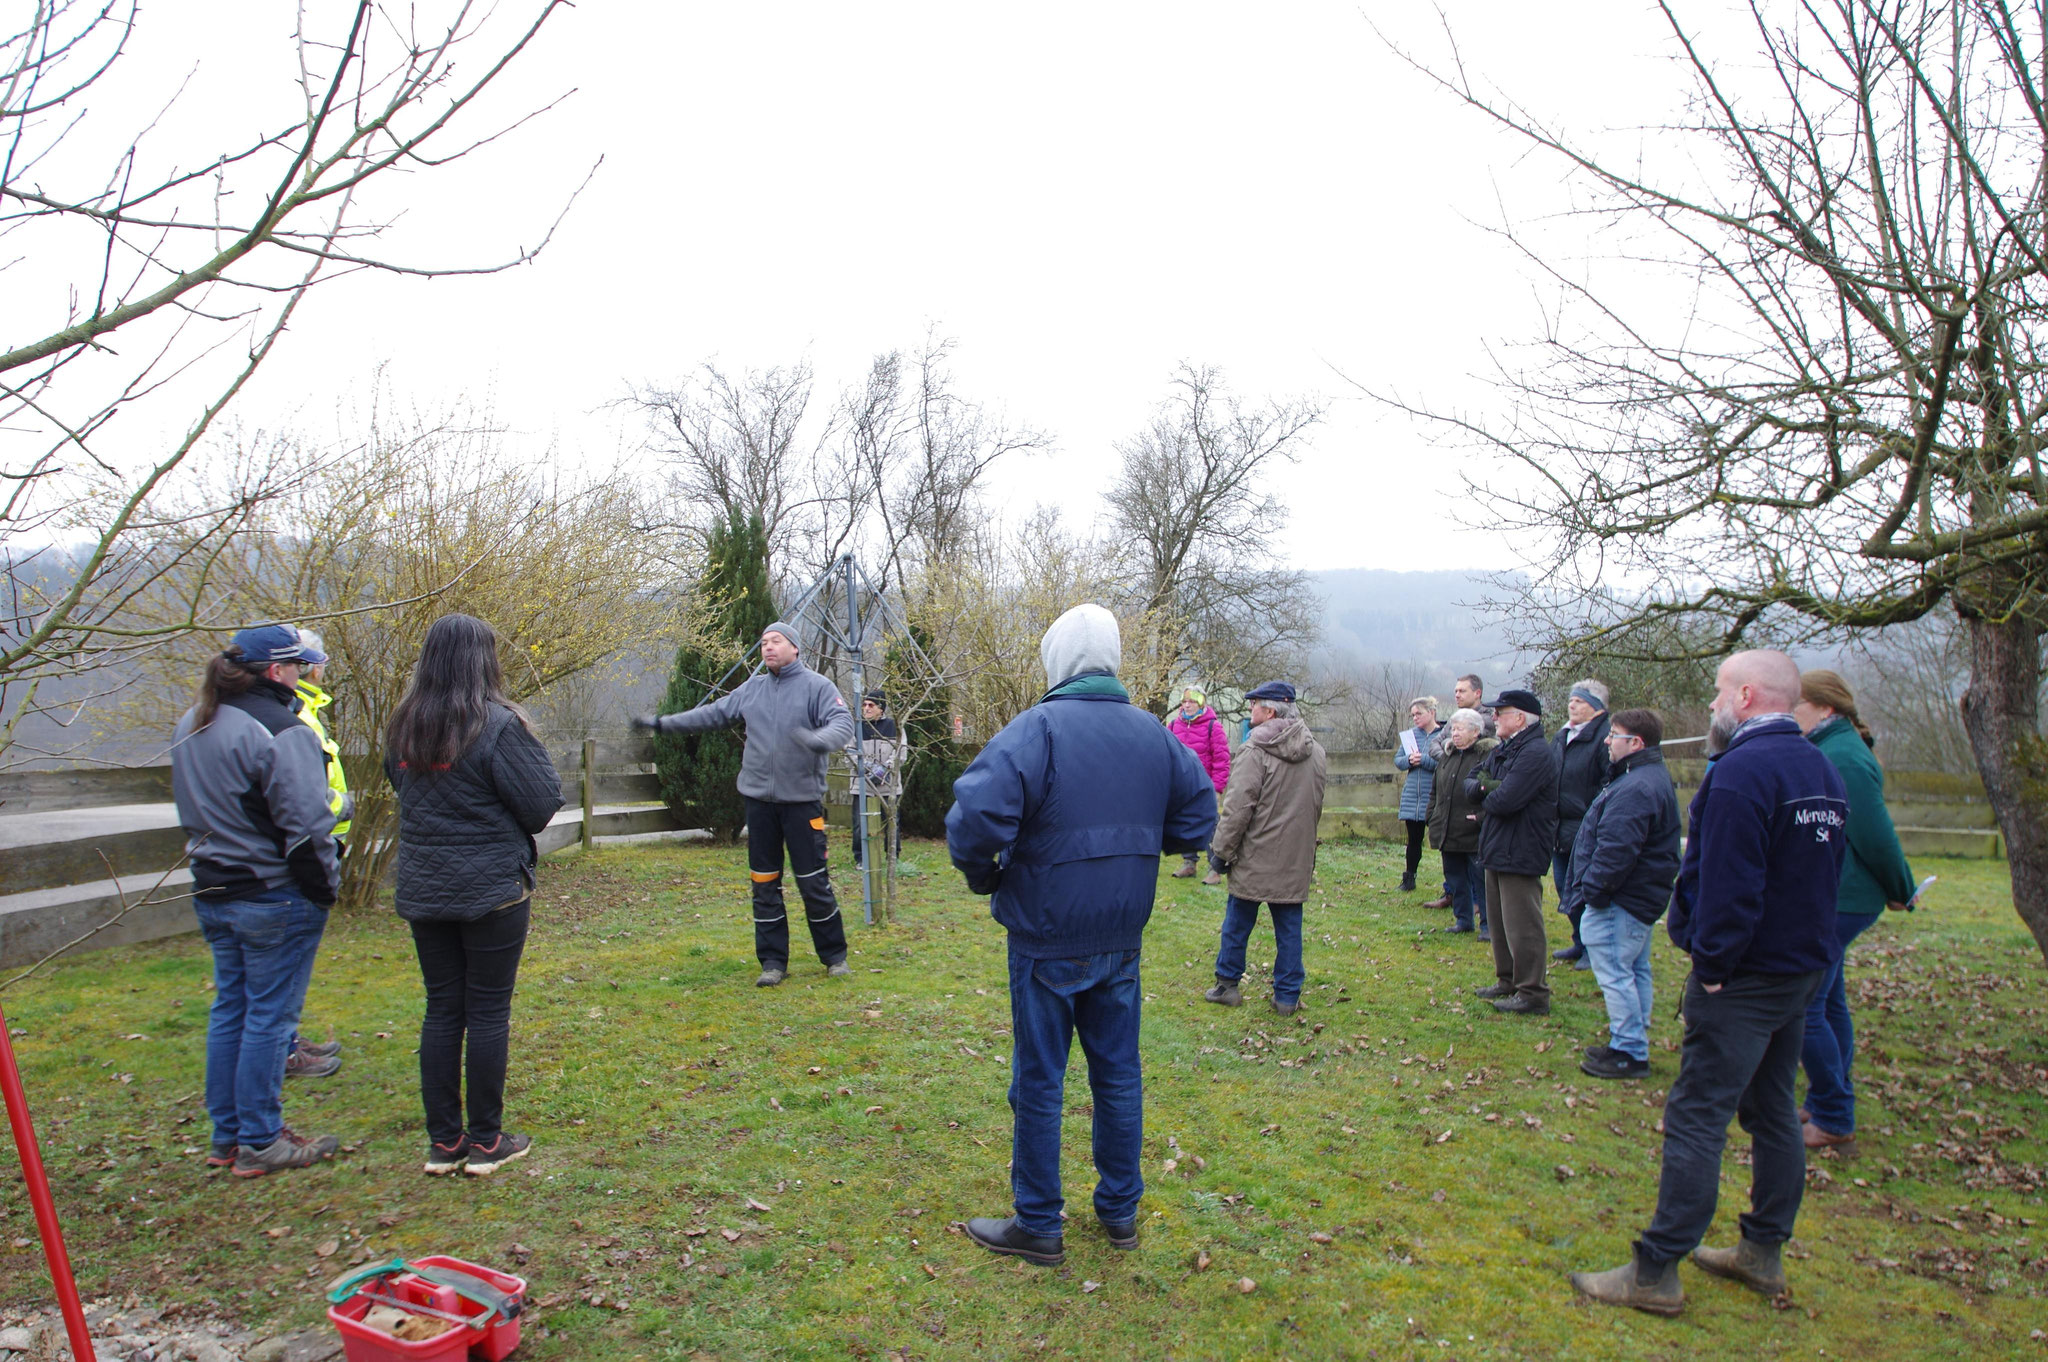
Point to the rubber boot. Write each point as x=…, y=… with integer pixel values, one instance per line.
x=1757, y=1266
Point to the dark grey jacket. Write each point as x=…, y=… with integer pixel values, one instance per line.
x=465, y=835
x=1518, y=804
x=795, y=720
x=1626, y=855
x=1581, y=772
x=251, y=790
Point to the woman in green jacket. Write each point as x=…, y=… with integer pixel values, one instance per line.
x=1875, y=876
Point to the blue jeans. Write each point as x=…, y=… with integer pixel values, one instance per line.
x=1239, y=917
x=1466, y=884
x=1618, y=944
x=263, y=950
x=1831, y=1040
x=1099, y=997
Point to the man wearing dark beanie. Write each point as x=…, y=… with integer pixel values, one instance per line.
x=795, y=720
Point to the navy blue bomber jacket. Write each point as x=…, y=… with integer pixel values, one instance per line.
x=1763, y=856
x=1064, y=815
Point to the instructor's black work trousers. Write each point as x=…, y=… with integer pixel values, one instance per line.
x=800, y=828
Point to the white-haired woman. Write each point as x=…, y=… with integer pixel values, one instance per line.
x=1454, y=821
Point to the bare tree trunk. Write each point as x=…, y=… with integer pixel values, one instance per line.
x=2001, y=710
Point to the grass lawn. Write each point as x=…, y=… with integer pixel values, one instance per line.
x=727, y=1172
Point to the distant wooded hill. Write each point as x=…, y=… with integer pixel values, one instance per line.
x=1439, y=619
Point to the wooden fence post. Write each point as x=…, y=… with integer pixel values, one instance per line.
x=589, y=792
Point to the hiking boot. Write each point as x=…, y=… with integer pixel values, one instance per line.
x=1484, y=935
x=1568, y=953
x=1287, y=1009
x=1651, y=1287
x=303, y=1063
x=1122, y=1234
x=1007, y=1236
x=1813, y=1137
x=1454, y=927
x=771, y=976
x=286, y=1151
x=221, y=1155
x=838, y=970
x=1212, y=878
x=1604, y=1061
x=443, y=1159
x=1583, y=962
x=1226, y=993
x=1442, y=902
x=485, y=1159
x=325, y=1049
x=1184, y=871
x=1756, y=1266
x=1494, y=991
x=1522, y=1005
x=1407, y=884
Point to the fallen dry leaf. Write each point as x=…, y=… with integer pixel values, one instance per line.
x=930, y=1271
x=872, y=1110
x=1087, y=1287
x=1564, y=1172
x=775, y=1102
x=1202, y=1260
x=754, y=1205
x=278, y=1231
x=816, y=1069
x=1246, y=1286
x=729, y=1235
x=1321, y=1238
x=696, y=1231
x=328, y=1247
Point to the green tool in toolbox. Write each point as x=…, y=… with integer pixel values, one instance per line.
x=469, y=1287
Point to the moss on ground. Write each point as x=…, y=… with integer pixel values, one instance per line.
x=1457, y=1160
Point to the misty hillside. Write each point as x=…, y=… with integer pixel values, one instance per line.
x=1440, y=619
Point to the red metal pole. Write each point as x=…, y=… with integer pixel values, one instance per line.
x=39, y=1197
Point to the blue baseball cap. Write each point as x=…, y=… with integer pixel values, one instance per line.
x=267, y=643
x=1272, y=690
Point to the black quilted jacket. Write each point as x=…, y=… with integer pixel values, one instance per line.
x=465, y=835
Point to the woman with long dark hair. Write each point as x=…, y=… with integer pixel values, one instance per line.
x=1875, y=876
x=474, y=785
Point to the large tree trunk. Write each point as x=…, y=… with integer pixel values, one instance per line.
x=2001, y=710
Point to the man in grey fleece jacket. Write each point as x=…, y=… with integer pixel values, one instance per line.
x=795, y=719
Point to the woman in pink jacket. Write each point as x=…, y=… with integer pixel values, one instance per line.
x=1197, y=725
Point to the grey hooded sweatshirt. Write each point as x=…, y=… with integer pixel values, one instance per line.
x=251, y=790
x=795, y=719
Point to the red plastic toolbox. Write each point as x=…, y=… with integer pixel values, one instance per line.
x=503, y=1335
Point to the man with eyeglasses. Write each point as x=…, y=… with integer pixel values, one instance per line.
x=1624, y=862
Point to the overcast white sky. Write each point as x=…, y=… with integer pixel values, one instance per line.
x=1082, y=194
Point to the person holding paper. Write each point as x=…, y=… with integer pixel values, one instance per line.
x=1875, y=876
x=1415, y=759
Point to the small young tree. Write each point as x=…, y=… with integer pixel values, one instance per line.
x=935, y=760
x=699, y=771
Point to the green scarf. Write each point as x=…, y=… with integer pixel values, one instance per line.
x=1089, y=683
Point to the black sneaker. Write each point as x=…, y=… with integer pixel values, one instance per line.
x=1603, y=1062
x=443, y=1159
x=1568, y=953
x=1122, y=1234
x=1494, y=991
x=1007, y=1236
x=1454, y=928
x=1522, y=1005
x=482, y=1160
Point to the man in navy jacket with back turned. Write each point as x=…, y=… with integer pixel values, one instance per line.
x=1062, y=819
x=1755, y=908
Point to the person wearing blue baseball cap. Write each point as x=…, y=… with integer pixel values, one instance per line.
x=250, y=782
x=1266, y=842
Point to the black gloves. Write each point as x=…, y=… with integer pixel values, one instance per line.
x=652, y=721
x=984, y=882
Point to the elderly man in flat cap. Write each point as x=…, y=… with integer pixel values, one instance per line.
x=1267, y=842
x=1516, y=790
x=795, y=720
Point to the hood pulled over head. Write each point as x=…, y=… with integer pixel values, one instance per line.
x=1085, y=639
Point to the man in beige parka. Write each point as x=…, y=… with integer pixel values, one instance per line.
x=1266, y=841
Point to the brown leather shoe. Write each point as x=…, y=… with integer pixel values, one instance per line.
x=1442, y=902
x=1212, y=878
x=1183, y=871
x=1813, y=1137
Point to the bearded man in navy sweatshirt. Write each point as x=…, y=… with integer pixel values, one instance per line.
x=1755, y=909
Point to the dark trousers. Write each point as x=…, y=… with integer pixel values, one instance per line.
x=1830, y=1047
x=1465, y=882
x=1521, y=952
x=1417, y=830
x=1098, y=998
x=798, y=829
x=1739, y=1058
x=469, y=969
x=1560, y=876
x=1240, y=916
